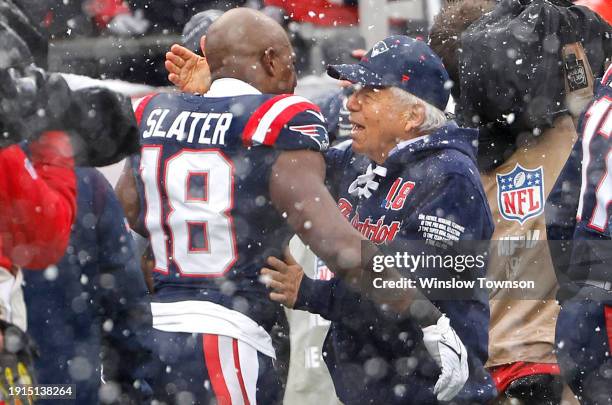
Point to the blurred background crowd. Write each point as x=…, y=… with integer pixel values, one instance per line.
x=127, y=39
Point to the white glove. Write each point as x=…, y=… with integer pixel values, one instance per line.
x=444, y=345
x=128, y=24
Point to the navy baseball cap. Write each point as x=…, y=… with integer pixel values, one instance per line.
x=196, y=28
x=403, y=62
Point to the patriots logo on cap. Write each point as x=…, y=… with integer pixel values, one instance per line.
x=520, y=193
x=316, y=132
x=379, y=47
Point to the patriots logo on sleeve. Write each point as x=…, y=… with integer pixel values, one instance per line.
x=316, y=132
x=275, y=120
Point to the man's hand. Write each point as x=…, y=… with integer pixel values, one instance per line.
x=284, y=278
x=444, y=345
x=187, y=71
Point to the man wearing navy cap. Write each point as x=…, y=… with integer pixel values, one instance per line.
x=196, y=28
x=407, y=174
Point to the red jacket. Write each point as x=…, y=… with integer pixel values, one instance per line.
x=318, y=12
x=37, y=202
x=103, y=11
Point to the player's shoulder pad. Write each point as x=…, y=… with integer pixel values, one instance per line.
x=139, y=105
x=287, y=122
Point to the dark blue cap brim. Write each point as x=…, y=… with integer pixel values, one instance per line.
x=356, y=73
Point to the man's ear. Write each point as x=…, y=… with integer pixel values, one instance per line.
x=203, y=45
x=414, y=117
x=269, y=61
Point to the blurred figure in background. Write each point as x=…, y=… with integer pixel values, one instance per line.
x=91, y=311
x=76, y=18
x=327, y=13
x=169, y=16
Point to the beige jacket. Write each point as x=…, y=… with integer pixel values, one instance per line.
x=524, y=329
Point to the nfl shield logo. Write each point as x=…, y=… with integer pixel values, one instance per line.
x=520, y=193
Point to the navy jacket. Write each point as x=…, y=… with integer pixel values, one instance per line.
x=94, y=302
x=373, y=358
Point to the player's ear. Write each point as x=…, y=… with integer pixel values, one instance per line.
x=414, y=117
x=269, y=61
x=203, y=45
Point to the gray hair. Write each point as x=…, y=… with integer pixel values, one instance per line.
x=434, y=117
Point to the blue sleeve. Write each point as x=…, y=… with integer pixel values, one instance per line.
x=306, y=130
x=335, y=301
x=329, y=298
x=123, y=295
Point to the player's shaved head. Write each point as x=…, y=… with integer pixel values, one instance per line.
x=248, y=45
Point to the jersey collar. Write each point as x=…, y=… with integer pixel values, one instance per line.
x=230, y=87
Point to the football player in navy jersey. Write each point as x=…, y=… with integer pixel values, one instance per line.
x=226, y=178
x=580, y=213
x=407, y=174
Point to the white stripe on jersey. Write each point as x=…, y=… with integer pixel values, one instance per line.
x=230, y=372
x=249, y=365
x=136, y=102
x=277, y=109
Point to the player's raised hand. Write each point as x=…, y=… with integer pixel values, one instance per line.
x=284, y=278
x=187, y=71
x=446, y=348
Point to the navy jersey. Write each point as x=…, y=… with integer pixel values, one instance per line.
x=580, y=200
x=430, y=190
x=205, y=165
x=95, y=298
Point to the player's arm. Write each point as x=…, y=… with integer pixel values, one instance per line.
x=127, y=192
x=297, y=189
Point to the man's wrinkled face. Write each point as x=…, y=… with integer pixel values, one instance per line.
x=377, y=123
